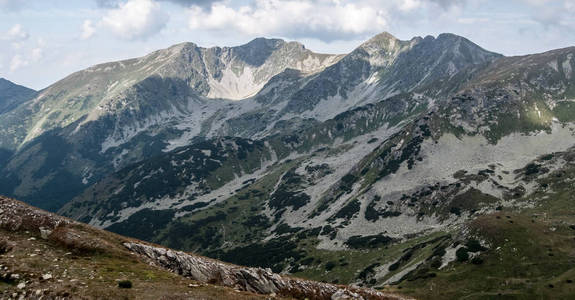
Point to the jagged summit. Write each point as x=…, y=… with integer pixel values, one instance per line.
x=262, y=42
x=382, y=41
x=384, y=37
x=383, y=49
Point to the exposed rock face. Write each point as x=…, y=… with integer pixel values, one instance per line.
x=256, y=280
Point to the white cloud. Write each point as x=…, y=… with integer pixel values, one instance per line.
x=409, y=5
x=18, y=62
x=558, y=13
x=321, y=19
x=88, y=30
x=17, y=34
x=37, y=54
x=16, y=37
x=135, y=19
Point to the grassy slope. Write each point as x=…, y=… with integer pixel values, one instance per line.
x=531, y=255
x=95, y=275
x=87, y=263
x=531, y=252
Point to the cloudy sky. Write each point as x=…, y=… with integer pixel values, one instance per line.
x=44, y=40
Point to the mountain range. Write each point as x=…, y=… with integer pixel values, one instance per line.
x=412, y=166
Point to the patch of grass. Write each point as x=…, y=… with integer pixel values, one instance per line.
x=516, y=266
x=564, y=111
x=355, y=260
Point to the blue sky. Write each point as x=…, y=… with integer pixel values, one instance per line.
x=43, y=41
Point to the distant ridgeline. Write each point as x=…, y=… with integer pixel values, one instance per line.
x=424, y=164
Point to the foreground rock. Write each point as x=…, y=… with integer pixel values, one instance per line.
x=256, y=280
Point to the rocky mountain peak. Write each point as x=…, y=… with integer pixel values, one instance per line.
x=383, y=48
x=256, y=52
x=381, y=42
x=262, y=42
x=381, y=37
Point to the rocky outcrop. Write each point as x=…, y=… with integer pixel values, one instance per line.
x=256, y=280
x=15, y=216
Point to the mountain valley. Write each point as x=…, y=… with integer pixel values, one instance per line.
x=430, y=168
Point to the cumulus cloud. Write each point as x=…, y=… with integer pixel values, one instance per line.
x=135, y=19
x=186, y=3
x=411, y=5
x=37, y=54
x=321, y=19
x=88, y=30
x=23, y=58
x=17, y=34
x=18, y=62
x=554, y=13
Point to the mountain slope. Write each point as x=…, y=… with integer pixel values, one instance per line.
x=11, y=95
x=408, y=170
x=111, y=88
x=112, y=115
x=383, y=167
x=93, y=112
x=89, y=260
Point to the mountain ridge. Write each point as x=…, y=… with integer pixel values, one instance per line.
x=391, y=166
x=103, y=108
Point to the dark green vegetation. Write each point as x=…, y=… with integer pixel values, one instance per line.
x=125, y=284
x=270, y=254
x=370, y=241
x=286, y=195
x=143, y=224
x=239, y=218
x=213, y=162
